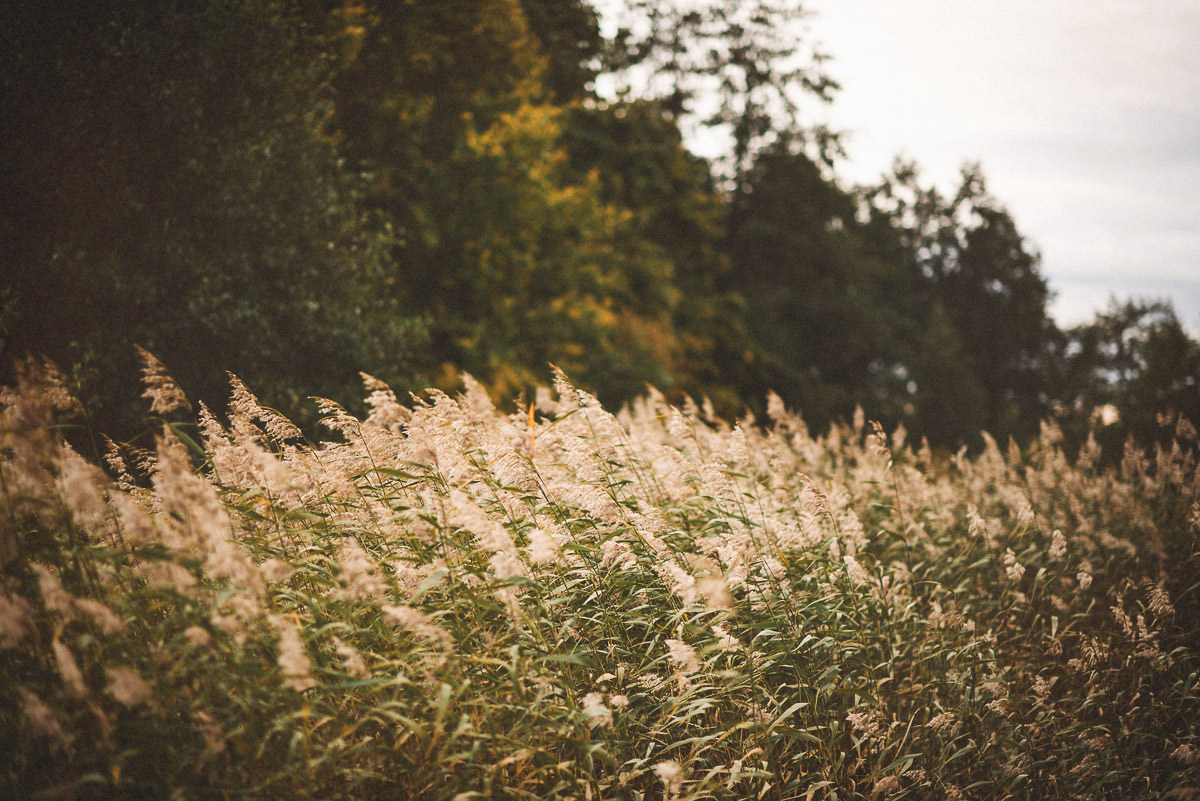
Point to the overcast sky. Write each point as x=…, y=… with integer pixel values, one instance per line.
x=1085, y=115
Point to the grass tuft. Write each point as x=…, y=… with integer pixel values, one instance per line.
x=443, y=601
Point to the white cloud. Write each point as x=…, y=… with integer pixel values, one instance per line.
x=1084, y=113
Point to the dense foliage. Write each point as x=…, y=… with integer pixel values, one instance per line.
x=301, y=190
x=445, y=601
x=169, y=181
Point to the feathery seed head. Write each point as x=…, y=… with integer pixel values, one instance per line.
x=164, y=394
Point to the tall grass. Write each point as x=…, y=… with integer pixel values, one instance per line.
x=443, y=601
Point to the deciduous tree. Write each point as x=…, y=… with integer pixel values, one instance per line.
x=173, y=183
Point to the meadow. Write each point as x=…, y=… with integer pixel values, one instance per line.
x=447, y=601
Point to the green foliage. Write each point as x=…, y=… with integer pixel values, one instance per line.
x=1134, y=370
x=832, y=318
x=513, y=261
x=932, y=311
x=568, y=35
x=743, y=69
x=974, y=270
x=175, y=186
x=673, y=239
x=299, y=191
x=448, y=602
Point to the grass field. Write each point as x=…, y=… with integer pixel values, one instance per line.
x=444, y=601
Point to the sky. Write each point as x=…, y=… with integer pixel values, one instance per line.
x=1084, y=114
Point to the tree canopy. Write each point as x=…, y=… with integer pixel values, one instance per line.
x=304, y=190
x=174, y=184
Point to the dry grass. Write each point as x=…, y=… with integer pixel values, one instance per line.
x=444, y=601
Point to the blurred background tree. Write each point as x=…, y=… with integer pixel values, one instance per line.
x=984, y=329
x=744, y=70
x=828, y=315
x=512, y=260
x=1132, y=372
x=171, y=182
x=297, y=191
x=674, y=221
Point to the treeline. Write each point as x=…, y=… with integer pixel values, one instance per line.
x=300, y=191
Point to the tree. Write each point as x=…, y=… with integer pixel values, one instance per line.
x=673, y=238
x=1126, y=373
x=828, y=312
x=967, y=256
x=513, y=260
x=741, y=68
x=568, y=35
x=998, y=300
x=174, y=185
